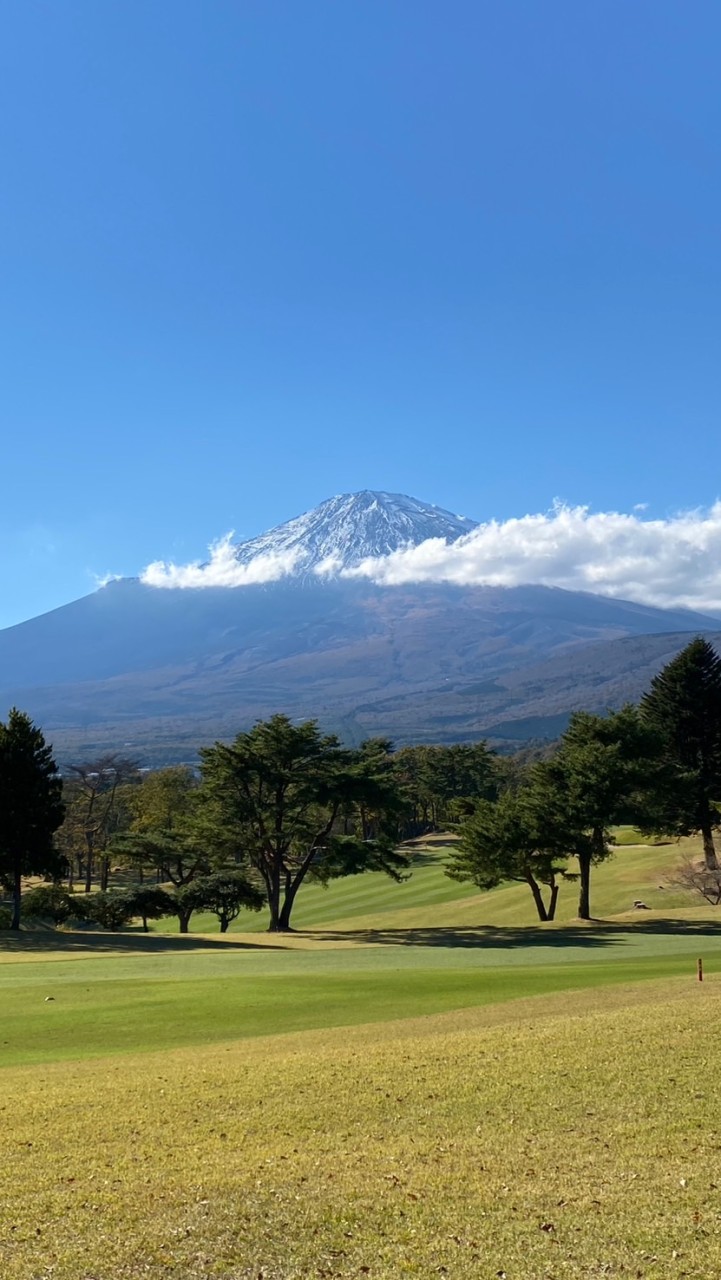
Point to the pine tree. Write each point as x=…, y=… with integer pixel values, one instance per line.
x=31, y=807
x=589, y=786
x=501, y=841
x=683, y=706
x=297, y=805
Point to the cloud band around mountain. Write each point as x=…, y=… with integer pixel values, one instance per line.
x=222, y=569
x=675, y=562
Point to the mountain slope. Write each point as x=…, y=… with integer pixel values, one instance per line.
x=352, y=527
x=173, y=668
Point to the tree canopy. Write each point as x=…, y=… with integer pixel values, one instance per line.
x=683, y=707
x=589, y=785
x=294, y=802
x=504, y=840
x=31, y=806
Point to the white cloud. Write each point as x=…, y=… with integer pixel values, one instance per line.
x=668, y=563
x=328, y=566
x=672, y=562
x=222, y=570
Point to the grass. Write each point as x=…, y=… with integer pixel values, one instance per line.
x=633, y=872
x=156, y=1002
x=432, y=1085
x=536, y=1140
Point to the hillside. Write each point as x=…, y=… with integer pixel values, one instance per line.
x=164, y=667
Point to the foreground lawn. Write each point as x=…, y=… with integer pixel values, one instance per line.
x=566, y=1136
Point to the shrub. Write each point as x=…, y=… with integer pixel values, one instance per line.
x=48, y=902
x=111, y=909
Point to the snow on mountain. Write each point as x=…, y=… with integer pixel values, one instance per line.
x=351, y=527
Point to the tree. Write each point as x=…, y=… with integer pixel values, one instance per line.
x=683, y=707
x=166, y=831
x=695, y=877
x=592, y=783
x=31, y=806
x=283, y=792
x=150, y=902
x=225, y=893
x=441, y=784
x=504, y=841
x=95, y=812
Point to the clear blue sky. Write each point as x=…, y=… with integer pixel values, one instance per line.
x=257, y=252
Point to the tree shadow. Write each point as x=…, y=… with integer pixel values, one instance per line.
x=49, y=940
x=594, y=934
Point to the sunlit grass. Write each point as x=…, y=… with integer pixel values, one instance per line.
x=429, y=896
x=563, y=1137
x=439, y=1088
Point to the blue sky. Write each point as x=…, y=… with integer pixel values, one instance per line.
x=257, y=253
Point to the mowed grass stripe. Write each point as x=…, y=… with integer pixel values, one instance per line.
x=430, y=897
x=105, y=1016
x=372, y=893
x=561, y=1142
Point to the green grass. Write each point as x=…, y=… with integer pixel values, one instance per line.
x=425, y=1082
x=559, y=1138
x=429, y=896
x=65, y=996
x=165, y=992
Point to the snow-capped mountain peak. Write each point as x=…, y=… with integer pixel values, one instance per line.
x=351, y=527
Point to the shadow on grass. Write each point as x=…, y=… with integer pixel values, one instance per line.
x=39, y=941
x=597, y=933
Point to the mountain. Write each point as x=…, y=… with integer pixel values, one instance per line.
x=169, y=669
x=352, y=527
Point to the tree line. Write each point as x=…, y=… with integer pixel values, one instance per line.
x=284, y=803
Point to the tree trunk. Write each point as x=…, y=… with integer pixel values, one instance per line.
x=709, y=848
x=184, y=919
x=537, y=896
x=89, y=872
x=284, y=925
x=584, y=897
x=145, y=923
x=552, y=902
x=104, y=874
x=224, y=922
x=271, y=876
x=280, y=923
x=17, y=897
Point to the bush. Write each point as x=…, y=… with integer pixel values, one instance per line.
x=48, y=902
x=6, y=917
x=111, y=910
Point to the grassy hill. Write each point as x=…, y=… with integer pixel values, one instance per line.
x=430, y=899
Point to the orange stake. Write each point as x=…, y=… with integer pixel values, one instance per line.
x=700, y=969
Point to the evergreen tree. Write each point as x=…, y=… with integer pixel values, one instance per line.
x=683, y=707
x=590, y=785
x=441, y=784
x=225, y=893
x=296, y=805
x=504, y=841
x=31, y=807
